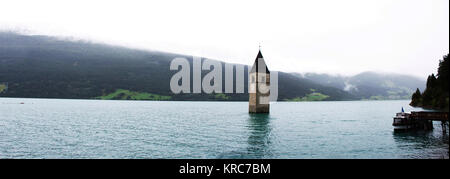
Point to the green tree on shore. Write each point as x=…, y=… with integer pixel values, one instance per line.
x=416, y=99
x=436, y=94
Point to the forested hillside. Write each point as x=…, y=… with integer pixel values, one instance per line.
x=48, y=67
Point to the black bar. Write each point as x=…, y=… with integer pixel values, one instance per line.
x=278, y=167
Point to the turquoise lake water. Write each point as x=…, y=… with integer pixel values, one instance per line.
x=60, y=128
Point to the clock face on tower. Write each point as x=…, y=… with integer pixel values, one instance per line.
x=263, y=88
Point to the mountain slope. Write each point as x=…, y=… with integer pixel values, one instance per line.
x=47, y=67
x=371, y=85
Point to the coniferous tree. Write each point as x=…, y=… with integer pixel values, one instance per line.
x=431, y=81
x=443, y=73
x=416, y=98
x=442, y=81
x=436, y=94
x=428, y=94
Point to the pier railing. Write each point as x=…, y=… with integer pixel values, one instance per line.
x=433, y=116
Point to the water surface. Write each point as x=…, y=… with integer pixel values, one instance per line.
x=60, y=128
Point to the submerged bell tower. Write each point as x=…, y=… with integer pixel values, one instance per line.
x=259, y=86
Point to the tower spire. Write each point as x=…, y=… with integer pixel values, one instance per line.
x=259, y=86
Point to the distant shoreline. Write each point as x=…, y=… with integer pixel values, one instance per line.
x=191, y=100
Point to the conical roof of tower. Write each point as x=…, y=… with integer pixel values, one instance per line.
x=259, y=60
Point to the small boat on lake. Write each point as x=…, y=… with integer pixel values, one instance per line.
x=401, y=121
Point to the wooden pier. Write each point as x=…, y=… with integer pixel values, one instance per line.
x=420, y=120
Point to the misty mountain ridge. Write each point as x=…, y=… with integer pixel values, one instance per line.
x=370, y=85
x=47, y=67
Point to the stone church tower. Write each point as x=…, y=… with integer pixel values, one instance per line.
x=259, y=86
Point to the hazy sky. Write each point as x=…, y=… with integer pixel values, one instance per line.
x=327, y=36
